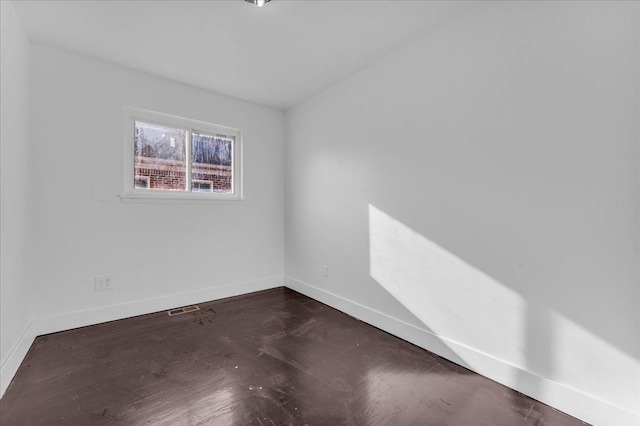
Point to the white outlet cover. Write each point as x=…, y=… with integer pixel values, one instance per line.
x=103, y=282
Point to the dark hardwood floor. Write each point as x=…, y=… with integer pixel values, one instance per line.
x=269, y=358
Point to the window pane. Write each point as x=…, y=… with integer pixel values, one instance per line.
x=212, y=166
x=160, y=154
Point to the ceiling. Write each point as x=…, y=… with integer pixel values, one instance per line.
x=277, y=55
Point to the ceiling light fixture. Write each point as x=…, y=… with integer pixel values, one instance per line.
x=258, y=3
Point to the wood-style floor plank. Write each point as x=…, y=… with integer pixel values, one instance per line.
x=274, y=357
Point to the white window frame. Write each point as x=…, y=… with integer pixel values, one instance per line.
x=131, y=193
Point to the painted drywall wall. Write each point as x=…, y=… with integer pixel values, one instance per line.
x=481, y=184
x=16, y=189
x=153, y=250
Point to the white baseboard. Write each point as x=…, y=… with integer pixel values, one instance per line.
x=70, y=320
x=13, y=360
x=572, y=401
x=564, y=398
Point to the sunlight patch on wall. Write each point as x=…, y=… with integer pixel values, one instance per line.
x=579, y=356
x=463, y=305
x=451, y=297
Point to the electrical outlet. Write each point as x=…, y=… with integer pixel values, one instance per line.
x=104, y=282
x=325, y=271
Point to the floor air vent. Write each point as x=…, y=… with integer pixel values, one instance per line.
x=185, y=310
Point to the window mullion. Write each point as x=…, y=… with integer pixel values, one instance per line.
x=189, y=161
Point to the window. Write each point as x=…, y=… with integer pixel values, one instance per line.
x=169, y=157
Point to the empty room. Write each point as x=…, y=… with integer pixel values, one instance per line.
x=320, y=212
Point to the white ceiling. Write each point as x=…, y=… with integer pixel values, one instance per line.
x=277, y=55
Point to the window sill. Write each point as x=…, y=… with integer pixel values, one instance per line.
x=182, y=198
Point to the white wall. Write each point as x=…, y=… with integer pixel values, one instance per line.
x=162, y=254
x=15, y=195
x=480, y=186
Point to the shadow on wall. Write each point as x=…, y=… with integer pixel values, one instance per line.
x=464, y=306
